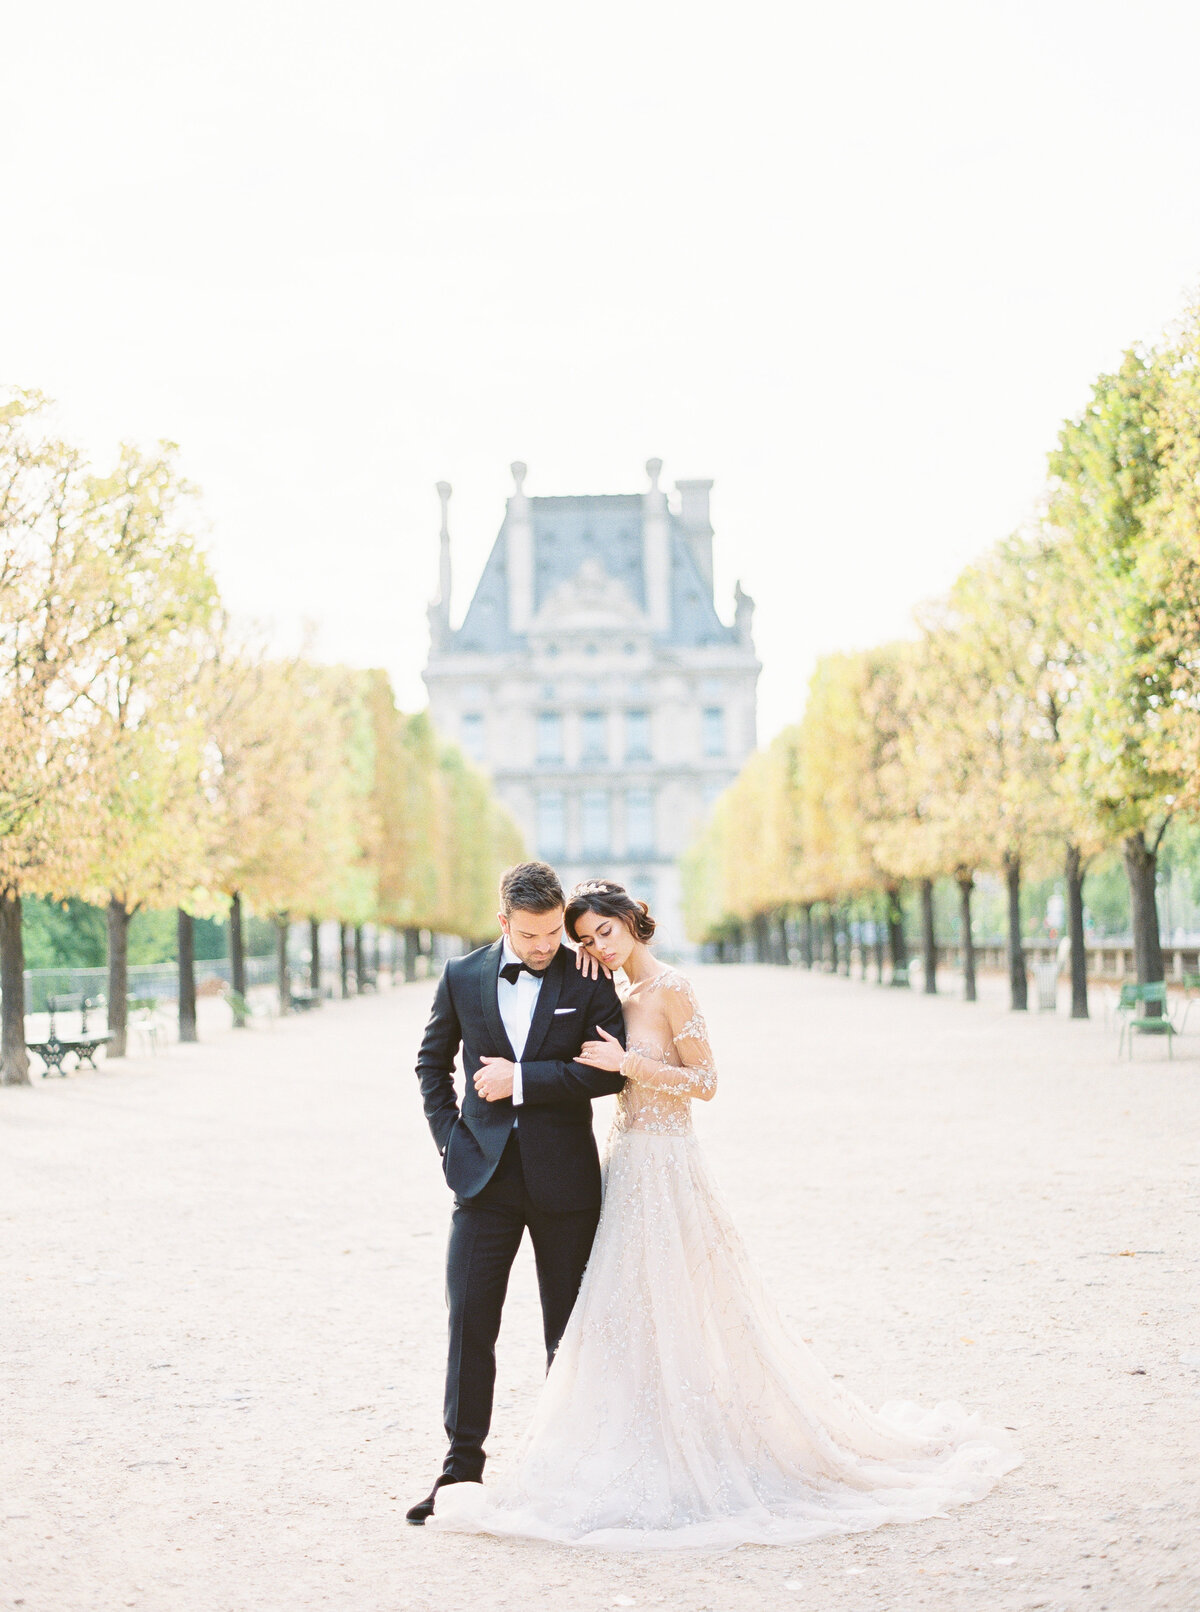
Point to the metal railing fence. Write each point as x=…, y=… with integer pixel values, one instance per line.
x=158, y=982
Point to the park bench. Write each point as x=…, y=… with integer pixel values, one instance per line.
x=1134, y=1005
x=85, y=1046
x=304, y=1001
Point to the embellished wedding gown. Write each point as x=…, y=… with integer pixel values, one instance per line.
x=679, y=1412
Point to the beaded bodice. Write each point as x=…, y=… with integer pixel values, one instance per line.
x=668, y=1059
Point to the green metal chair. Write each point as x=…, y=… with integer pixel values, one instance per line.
x=1145, y=1023
x=1191, y=988
x=1126, y=1004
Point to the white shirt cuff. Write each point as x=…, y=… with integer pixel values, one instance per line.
x=518, y=1095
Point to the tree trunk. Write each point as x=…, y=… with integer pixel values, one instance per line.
x=118, y=977
x=360, y=964
x=1141, y=869
x=806, y=937
x=831, y=924
x=879, y=930
x=1079, y=990
x=237, y=961
x=344, y=959
x=897, y=945
x=314, y=959
x=864, y=950
x=187, y=976
x=1018, y=982
x=966, y=883
x=282, y=926
x=412, y=950
x=14, y=1059
x=928, y=938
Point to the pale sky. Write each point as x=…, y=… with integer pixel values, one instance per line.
x=855, y=262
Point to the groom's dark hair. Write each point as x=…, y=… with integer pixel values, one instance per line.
x=530, y=887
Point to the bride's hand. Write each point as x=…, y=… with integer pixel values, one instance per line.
x=607, y=1054
x=590, y=966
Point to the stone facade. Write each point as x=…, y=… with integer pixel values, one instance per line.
x=594, y=681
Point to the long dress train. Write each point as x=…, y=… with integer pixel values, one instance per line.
x=679, y=1411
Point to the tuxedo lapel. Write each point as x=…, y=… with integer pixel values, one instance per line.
x=543, y=1011
x=490, y=1002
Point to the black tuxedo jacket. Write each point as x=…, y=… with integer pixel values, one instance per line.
x=558, y=1147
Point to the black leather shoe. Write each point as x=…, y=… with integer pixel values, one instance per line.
x=419, y=1514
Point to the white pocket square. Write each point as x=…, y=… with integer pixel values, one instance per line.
x=557, y=1011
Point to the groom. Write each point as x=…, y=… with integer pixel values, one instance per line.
x=519, y=1153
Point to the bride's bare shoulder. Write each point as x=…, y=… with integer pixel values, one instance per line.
x=670, y=979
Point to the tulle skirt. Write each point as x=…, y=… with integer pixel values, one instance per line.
x=680, y=1412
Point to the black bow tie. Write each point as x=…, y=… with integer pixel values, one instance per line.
x=510, y=971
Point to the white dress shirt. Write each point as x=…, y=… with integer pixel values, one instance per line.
x=517, y=1001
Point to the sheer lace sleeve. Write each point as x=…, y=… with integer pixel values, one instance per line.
x=696, y=1074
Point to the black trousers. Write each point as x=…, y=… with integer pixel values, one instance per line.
x=485, y=1233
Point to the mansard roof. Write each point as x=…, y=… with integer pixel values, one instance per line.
x=567, y=532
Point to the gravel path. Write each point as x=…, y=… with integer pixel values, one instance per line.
x=223, y=1319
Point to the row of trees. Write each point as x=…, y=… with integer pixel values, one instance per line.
x=1048, y=709
x=153, y=755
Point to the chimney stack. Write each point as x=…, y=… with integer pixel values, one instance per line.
x=519, y=538
x=443, y=596
x=438, y=612
x=693, y=517
x=656, y=550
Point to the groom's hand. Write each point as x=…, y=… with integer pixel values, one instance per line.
x=494, y=1079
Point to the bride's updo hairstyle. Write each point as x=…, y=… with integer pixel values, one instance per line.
x=608, y=900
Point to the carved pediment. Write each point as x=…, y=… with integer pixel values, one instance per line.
x=590, y=601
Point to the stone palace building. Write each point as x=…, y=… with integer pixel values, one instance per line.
x=594, y=681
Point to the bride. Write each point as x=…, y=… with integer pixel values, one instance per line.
x=678, y=1410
